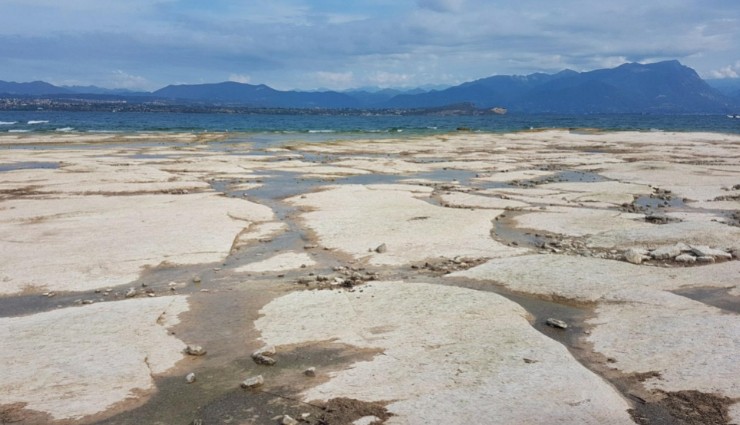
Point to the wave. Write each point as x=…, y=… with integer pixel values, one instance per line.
x=19, y=131
x=322, y=131
x=64, y=129
x=8, y=122
x=32, y=122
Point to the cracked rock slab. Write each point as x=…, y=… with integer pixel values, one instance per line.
x=79, y=361
x=453, y=356
x=356, y=219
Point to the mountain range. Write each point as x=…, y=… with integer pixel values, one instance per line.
x=663, y=87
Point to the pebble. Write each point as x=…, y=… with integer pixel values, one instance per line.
x=195, y=350
x=190, y=378
x=253, y=382
x=131, y=293
x=287, y=420
x=196, y=279
x=686, y=259
x=556, y=323
x=264, y=355
x=381, y=248
x=87, y=301
x=310, y=372
x=705, y=251
x=634, y=256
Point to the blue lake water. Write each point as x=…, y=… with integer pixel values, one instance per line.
x=270, y=128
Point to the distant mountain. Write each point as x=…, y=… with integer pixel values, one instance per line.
x=35, y=88
x=256, y=95
x=663, y=87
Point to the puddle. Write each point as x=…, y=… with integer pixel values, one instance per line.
x=716, y=297
x=29, y=166
x=649, y=202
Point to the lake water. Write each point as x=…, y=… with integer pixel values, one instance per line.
x=270, y=128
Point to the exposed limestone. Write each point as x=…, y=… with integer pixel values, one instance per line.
x=353, y=218
x=280, y=262
x=579, y=221
x=148, y=230
x=700, y=233
x=79, y=361
x=453, y=355
x=465, y=200
x=637, y=328
x=589, y=279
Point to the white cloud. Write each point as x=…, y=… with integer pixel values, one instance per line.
x=389, y=79
x=240, y=78
x=729, y=71
x=441, y=6
x=123, y=80
x=335, y=80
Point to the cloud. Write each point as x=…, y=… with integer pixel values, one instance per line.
x=441, y=6
x=338, y=80
x=307, y=44
x=123, y=80
x=240, y=78
x=729, y=71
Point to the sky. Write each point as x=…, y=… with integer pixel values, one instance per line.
x=344, y=44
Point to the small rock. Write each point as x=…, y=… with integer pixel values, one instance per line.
x=49, y=294
x=634, y=255
x=287, y=420
x=556, y=323
x=190, y=378
x=310, y=372
x=381, y=248
x=706, y=259
x=87, y=301
x=264, y=355
x=131, y=293
x=196, y=279
x=195, y=350
x=310, y=246
x=253, y=382
x=705, y=251
x=666, y=252
x=686, y=259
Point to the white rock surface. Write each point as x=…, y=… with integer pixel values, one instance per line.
x=589, y=279
x=79, y=361
x=280, y=262
x=692, y=345
x=90, y=242
x=452, y=354
x=580, y=221
x=355, y=219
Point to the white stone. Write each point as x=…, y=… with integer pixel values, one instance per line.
x=452, y=354
x=366, y=420
x=277, y=263
x=79, y=361
x=253, y=382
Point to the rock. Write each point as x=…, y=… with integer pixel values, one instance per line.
x=310, y=372
x=287, y=420
x=253, y=382
x=190, y=378
x=196, y=279
x=87, y=301
x=264, y=355
x=381, y=248
x=666, y=252
x=131, y=293
x=556, y=323
x=634, y=255
x=195, y=350
x=706, y=259
x=686, y=259
x=705, y=251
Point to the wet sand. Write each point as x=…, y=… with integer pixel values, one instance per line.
x=415, y=275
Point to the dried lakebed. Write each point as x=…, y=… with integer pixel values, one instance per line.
x=406, y=281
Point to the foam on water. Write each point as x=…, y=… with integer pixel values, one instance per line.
x=32, y=122
x=8, y=122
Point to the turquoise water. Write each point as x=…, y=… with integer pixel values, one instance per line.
x=327, y=127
